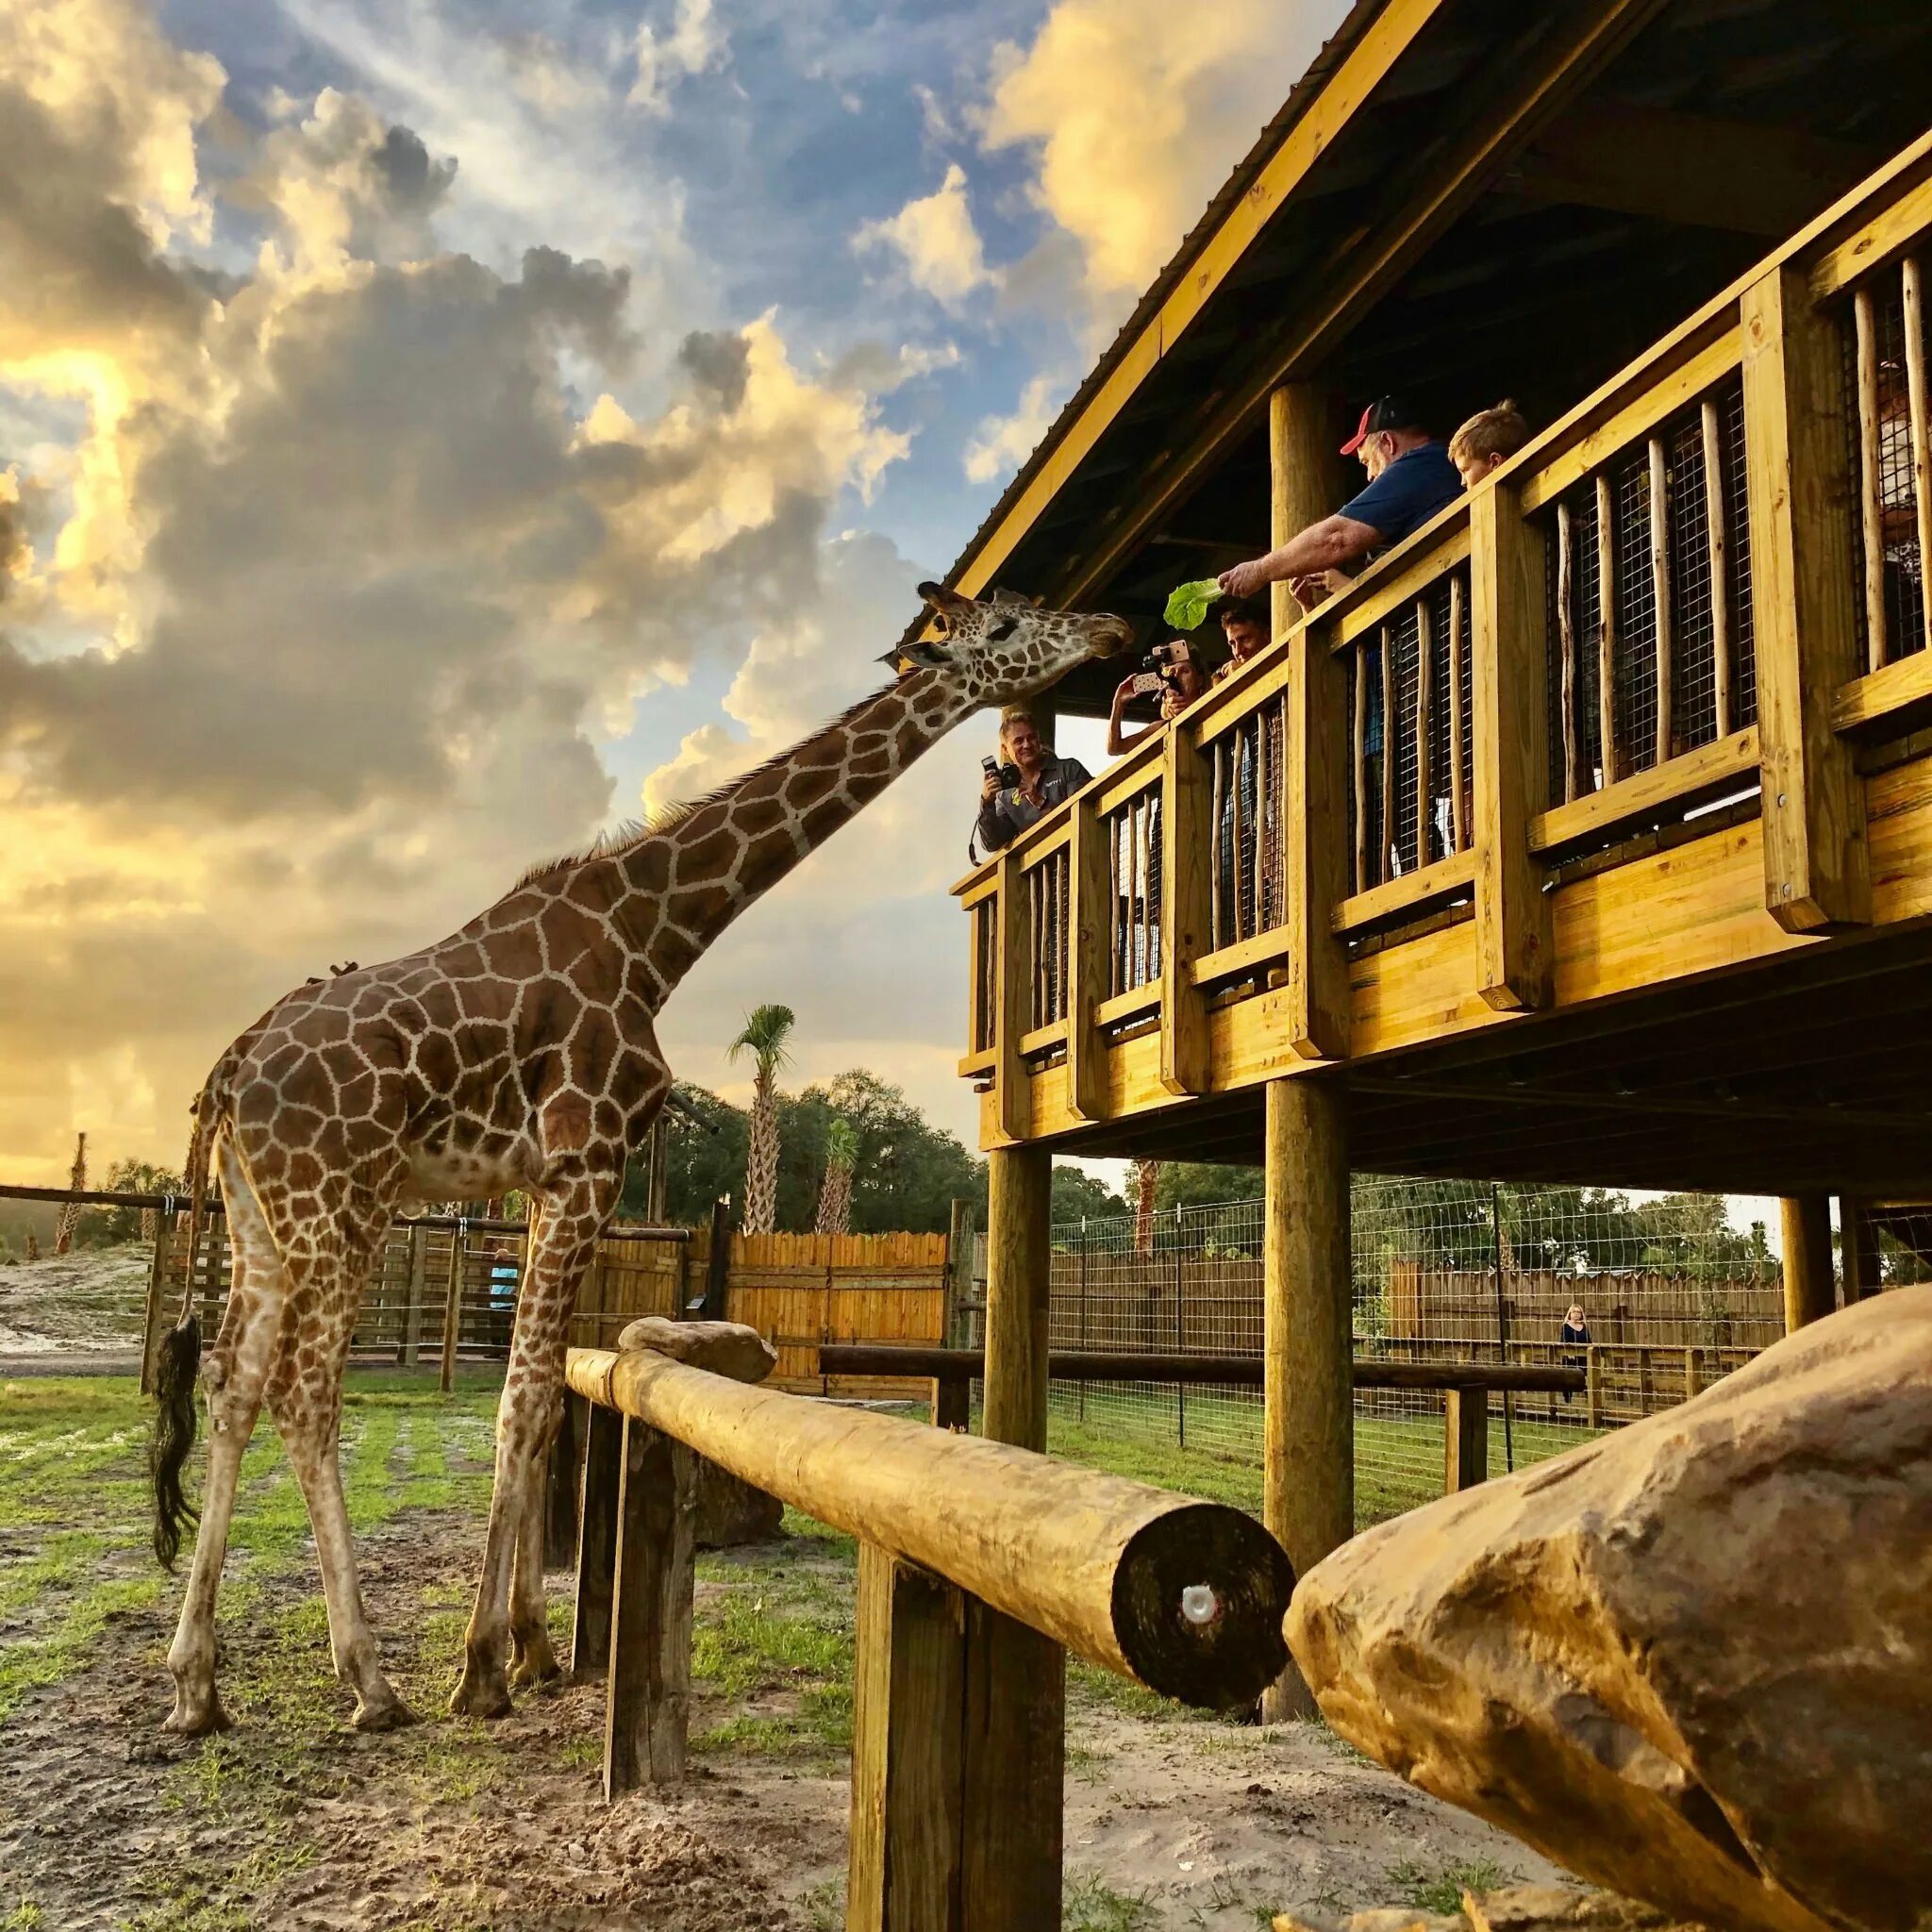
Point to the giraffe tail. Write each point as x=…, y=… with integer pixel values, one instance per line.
x=180, y=1357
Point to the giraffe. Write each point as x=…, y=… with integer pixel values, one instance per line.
x=520, y=1052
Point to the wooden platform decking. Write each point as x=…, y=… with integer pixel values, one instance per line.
x=1587, y=836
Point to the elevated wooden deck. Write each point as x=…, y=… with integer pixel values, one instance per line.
x=1587, y=836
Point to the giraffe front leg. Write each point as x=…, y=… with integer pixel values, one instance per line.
x=559, y=1251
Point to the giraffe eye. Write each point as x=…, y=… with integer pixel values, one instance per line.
x=1003, y=629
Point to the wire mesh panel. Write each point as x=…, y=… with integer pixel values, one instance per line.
x=1246, y=888
x=1892, y=458
x=1650, y=634
x=1046, y=907
x=1132, y=831
x=1411, y=750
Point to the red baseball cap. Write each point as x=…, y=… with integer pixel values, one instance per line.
x=1385, y=412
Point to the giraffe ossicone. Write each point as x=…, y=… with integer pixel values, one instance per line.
x=520, y=1052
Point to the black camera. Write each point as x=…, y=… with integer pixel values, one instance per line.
x=1008, y=774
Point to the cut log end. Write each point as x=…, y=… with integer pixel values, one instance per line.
x=1198, y=1601
x=725, y=1348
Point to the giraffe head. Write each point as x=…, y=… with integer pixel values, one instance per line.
x=1002, y=648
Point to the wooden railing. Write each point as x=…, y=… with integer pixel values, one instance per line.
x=1706, y=582
x=978, y=1564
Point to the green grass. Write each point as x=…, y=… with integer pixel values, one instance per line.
x=1441, y=1890
x=1088, y=1905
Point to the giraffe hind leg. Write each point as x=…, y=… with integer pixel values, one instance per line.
x=306, y=1399
x=534, y=1660
x=234, y=1375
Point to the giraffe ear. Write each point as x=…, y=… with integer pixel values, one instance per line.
x=942, y=599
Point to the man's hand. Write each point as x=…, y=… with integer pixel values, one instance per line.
x=990, y=787
x=1245, y=579
x=1318, y=585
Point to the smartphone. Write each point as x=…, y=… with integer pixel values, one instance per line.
x=1147, y=681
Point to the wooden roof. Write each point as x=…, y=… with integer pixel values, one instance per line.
x=1463, y=199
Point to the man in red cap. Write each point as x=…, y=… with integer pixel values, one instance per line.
x=1411, y=478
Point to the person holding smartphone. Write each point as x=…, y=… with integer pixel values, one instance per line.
x=1176, y=677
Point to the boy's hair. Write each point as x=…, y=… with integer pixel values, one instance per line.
x=1498, y=432
x=1237, y=610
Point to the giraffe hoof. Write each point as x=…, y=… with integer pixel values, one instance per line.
x=197, y=1716
x=480, y=1694
x=384, y=1713
x=535, y=1663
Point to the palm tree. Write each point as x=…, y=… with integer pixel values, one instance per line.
x=1146, y=1175
x=765, y=1031
x=835, y=1196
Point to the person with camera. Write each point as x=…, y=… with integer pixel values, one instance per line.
x=1025, y=783
x=1169, y=668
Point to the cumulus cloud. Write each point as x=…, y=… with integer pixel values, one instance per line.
x=309, y=639
x=934, y=237
x=1132, y=113
x=1002, y=443
x=695, y=42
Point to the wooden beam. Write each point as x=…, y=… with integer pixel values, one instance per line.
x=1308, y=1298
x=1725, y=764
x=1465, y=1438
x=909, y=1713
x=647, y=1702
x=1694, y=170
x=1187, y=857
x=590, y=1648
x=1314, y=854
x=1089, y=924
x=1816, y=866
x=1514, y=944
x=1346, y=284
x=1809, y=1292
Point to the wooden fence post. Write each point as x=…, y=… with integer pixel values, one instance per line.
x=718, y=1263
x=908, y=1814
x=1465, y=1438
x=958, y=1268
x=648, y=1696
x=1808, y=1287
x=415, y=1298
x=155, y=1324
x=589, y=1647
x=560, y=1487
x=1694, y=1376
x=452, y=1307
x=1592, y=1387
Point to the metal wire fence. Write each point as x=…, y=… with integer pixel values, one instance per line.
x=1670, y=1295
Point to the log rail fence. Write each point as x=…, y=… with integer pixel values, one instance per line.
x=981, y=1565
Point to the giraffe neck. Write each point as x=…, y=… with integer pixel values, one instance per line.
x=710, y=866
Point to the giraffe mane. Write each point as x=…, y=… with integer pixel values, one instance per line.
x=616, y=841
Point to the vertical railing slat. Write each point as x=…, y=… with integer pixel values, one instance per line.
x=1360, y=768
x=1718, y=545
x=1921, y=417
x=1607, y=628
x=1216, y=910
x=1458, y=704
x=1870, y=509
x=1566, y=632
x=1239, y=817
x=1425, y=680
x=1660, y=590
x=1386, y=831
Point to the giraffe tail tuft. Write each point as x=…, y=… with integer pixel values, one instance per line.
x=173, y=1436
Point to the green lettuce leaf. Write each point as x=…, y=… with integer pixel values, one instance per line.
x=1187, y=608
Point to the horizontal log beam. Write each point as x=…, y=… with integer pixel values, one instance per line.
x=1186, y=1597
x=1242, y=1371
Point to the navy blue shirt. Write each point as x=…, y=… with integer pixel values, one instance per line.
x=1407, y=493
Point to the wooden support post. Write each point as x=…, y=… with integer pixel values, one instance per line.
x=1465, y=1438
x=908, y=1751
x=1187, y=836
x=647, y=1701
x=1863, y=1266
x=1308, y=1426
x=1306, y=476
x=959, y=1267
x=159, y=1301
x=560, y=1487
x=1809, y=1289
x=1816, y=865
x=1509, y=729
x=1015, y=1741
x=1013, y=954
x=452, y=1308
x=589, y=1646
x=718, y=1263
x=1592, y=1387
x=1314, y=852
x=1089, y=893
x=415, y=1297
x=1694, y=1375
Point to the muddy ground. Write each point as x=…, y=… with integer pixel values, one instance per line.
x=293, y=1820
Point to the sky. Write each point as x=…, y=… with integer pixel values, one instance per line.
x=431, y=432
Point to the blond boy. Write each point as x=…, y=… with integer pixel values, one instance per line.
x=1487, y=441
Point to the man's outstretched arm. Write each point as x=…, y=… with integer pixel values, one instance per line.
x=1328, y=545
